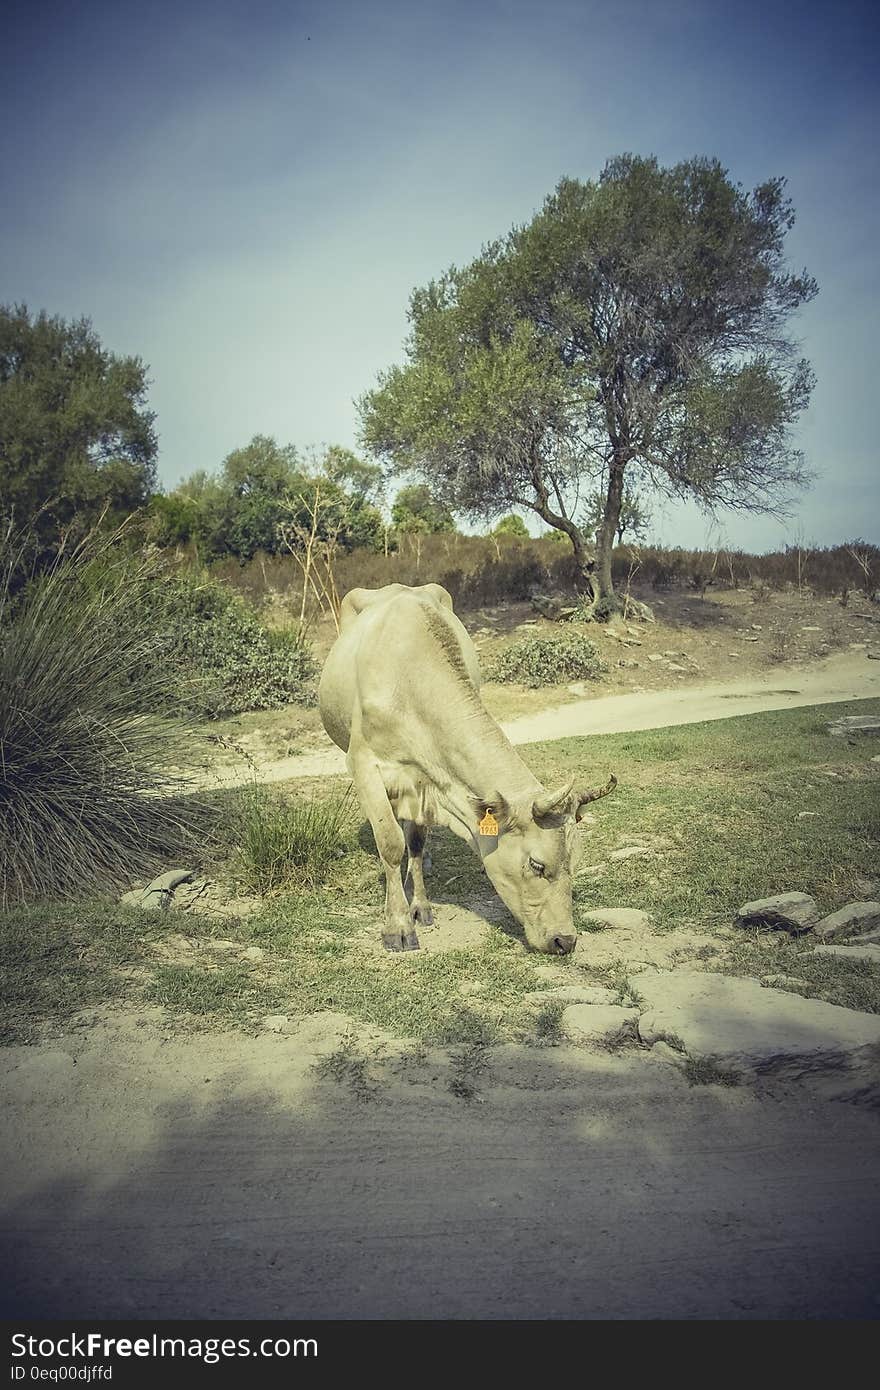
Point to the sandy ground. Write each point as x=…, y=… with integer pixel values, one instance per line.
x=218, y=1176
x=844, y=676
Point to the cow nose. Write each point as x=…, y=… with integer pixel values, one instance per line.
x=564, y=945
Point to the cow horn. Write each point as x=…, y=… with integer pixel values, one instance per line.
x=544, y=805
x=585, y=797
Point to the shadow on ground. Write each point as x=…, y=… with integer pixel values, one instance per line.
x=219, y=1176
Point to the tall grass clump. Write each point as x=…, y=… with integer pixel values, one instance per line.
x=288, y=844
x=538, y=661
x=89, y=795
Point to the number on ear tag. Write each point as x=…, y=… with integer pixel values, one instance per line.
x=488, y=825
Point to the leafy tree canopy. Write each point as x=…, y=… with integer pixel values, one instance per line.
x=634, y=518
x=358, y=477
x=635, y=326
x=511, y=525
x=261, y=491
x=415, y=509
x=75, y=434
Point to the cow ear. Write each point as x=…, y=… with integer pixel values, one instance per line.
x=498, y=808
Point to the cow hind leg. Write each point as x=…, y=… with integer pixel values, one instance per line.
x=416, y=837
x=399, y=933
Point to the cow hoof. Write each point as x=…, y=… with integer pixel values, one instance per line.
x=421, y=912
x=391, y=941
x=411, y=942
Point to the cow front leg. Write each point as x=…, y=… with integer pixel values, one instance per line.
x=399, y=933
x=416, y=838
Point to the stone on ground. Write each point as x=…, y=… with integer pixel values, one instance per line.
x=665, y=1053
x=598, y=1023
x=629, y=918
x=854, y=724
x=793, y=912
x=572, y=994
x=853, y=920
x=859, y=950
x=156, y=897
x=748, y=1028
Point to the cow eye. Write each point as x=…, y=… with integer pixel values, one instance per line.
x=535, y=867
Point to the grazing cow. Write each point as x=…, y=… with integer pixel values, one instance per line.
x=400, y=695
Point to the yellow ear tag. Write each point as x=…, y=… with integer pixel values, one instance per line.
x=488, y=825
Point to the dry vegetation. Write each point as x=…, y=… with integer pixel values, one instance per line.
x=482, y=570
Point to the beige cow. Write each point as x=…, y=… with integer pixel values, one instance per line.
x=400, y=695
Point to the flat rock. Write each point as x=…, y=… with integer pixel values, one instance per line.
x=665, y=1053
x=852, y=920
x=572, y=994
x=324, y=1032
x=597, y=1022
x=854, y=724
x=857, y=951
x=631, y=919
x=551, y=973
x=784, y=982
x=747, y=1028
x=156, y=897
x=277, y=1023
x=634, y=608
x=794, y=912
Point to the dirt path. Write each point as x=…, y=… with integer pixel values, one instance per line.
x=218, y=1176
x=848, y=676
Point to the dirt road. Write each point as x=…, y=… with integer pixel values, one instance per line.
x=848, y=676
x=217, y=1176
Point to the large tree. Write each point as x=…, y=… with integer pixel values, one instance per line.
x=634, y=329
x=415, y=509
x=262, y=491
x=75, y=434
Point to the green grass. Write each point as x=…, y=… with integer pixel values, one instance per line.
x=548, y=1023
x=725, y=796
x=228, y=990
x=58, y=958
x=854, y=984
x=287, y=840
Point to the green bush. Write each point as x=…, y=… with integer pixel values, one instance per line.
x=537, y=661
x=88, y=795
x=288, y=844
x=223, y=660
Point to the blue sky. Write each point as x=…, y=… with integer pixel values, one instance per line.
x=244, y=195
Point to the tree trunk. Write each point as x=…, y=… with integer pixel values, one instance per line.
x=605, y=601
x=586, y=564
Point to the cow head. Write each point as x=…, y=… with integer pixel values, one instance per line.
x=529, y=862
